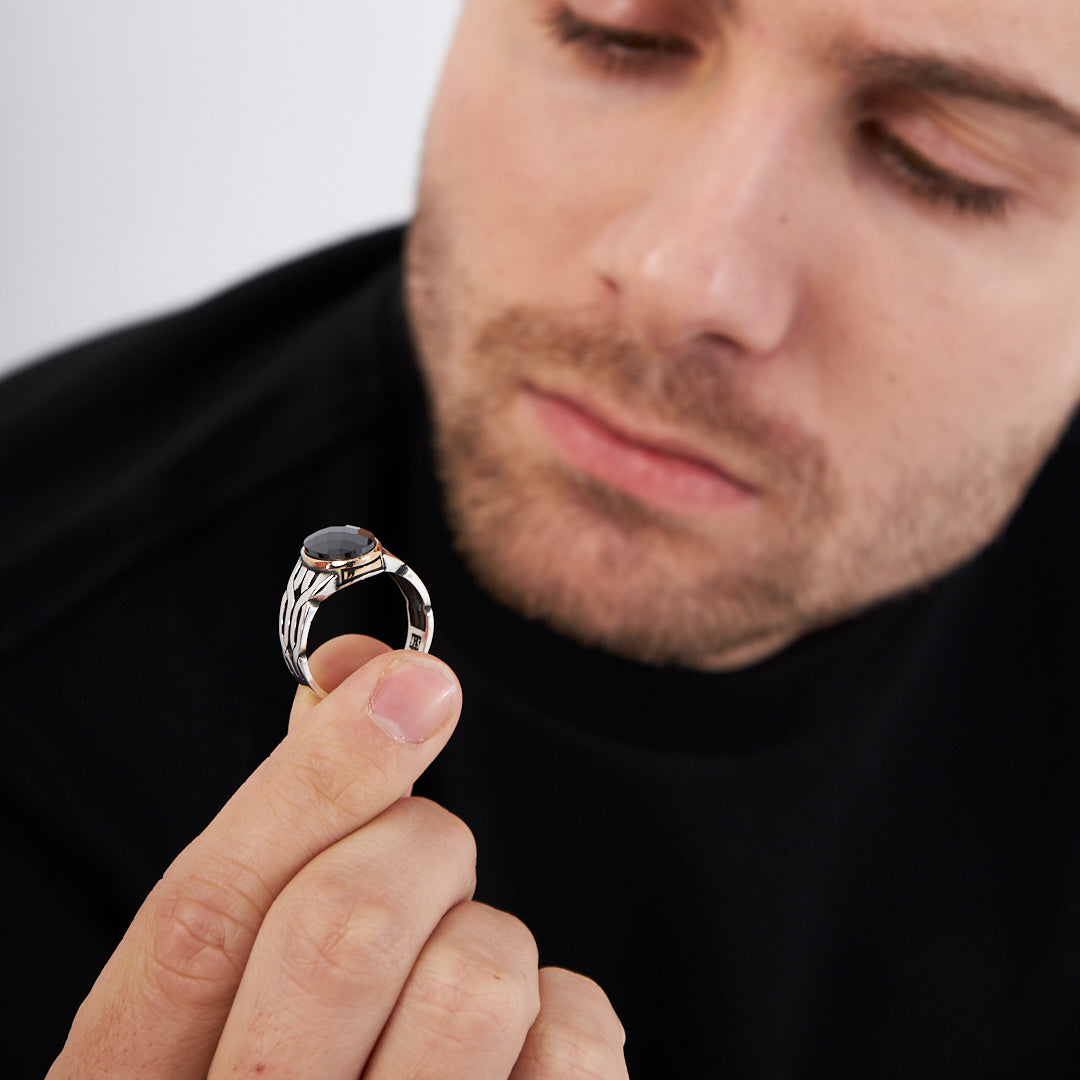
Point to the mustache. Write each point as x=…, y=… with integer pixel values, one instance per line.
x=695, y=390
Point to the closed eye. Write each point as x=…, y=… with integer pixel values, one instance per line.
x=619, y=50
x=928, y=181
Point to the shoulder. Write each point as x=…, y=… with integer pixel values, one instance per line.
x=140, y=375
x=113, y=447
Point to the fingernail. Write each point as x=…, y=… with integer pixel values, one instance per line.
x=414, y=697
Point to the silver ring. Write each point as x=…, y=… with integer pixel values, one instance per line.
x=331, y=560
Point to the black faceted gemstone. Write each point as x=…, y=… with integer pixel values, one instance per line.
x=340, y=542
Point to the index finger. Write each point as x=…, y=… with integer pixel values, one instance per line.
x=162, y=1000
x=332, y=664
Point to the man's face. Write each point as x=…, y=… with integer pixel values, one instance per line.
x=739, y=315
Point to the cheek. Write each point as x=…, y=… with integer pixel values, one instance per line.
x=524, y=178
x=925, y=341
x=938, y=397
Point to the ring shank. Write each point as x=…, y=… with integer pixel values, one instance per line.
x=417, y=603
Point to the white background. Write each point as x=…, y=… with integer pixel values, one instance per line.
x=154, y=150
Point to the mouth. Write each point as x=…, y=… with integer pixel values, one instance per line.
x=662, y=472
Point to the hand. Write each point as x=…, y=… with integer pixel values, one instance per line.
x=322, y=925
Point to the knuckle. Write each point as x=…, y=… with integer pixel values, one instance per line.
x=560, y=1048
x=428, y=827
x=202, y=931
x=439, y=828
x=342, y=939
x=334, y=783
x=577, y=1033
x=471, y=1000
x=587, y=997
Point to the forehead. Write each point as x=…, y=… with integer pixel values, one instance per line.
x=1032, y=34
x=1034, y=37
x=1038, y=39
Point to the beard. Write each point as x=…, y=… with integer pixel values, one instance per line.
x=710, y=591
x=591, y=561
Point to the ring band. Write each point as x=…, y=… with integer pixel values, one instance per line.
x=331, y=560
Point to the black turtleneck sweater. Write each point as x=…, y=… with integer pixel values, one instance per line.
x=859, y=858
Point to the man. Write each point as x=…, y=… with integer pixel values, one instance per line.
x=746, y=327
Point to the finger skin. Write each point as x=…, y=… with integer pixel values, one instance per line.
x=577, y=1035
x=468, y=1005
x=339, y=943
x=159, y=1006
x=332, y=664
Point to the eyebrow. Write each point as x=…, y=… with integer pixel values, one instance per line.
x=959, y=79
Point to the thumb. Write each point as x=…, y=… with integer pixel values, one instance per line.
x=332, y=664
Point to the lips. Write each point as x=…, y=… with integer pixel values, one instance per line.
x=661, y=472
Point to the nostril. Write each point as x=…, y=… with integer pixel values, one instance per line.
x=609, y=285
x=719, y=341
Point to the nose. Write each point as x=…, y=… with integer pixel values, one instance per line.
x=705, y=245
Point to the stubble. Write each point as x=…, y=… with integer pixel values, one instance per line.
x=589, y=560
